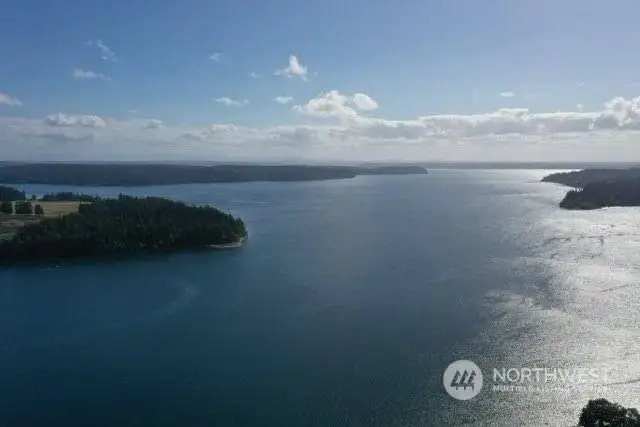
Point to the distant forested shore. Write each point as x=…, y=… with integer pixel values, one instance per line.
x=114, y=226
x=131, y=174
x=599, y=188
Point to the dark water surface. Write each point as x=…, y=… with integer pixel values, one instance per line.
x=349, y=300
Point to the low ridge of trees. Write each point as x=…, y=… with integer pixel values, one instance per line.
x=10, y=194
x=599, y=188
x=582, y=178
x=598, y=195
x=132, y=174
x=123, y=225
x=69, y=197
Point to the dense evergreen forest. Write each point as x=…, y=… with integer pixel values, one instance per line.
x=580, y=179
x=10, y=194
x=599, y=188
x=123, y=225
x=598, y=195
x=132, y=174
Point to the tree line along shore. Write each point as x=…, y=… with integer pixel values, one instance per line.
x=599, y=188
x=79, y=226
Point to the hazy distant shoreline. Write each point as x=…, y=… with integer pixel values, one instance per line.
x=146, y=174
x=371, y=164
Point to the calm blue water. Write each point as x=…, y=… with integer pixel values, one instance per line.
x=344, y=308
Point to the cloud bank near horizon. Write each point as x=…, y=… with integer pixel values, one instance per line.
x=340, y=127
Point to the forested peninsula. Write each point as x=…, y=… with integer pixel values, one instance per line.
x=141, y=174
x=116, y=226
x=599, y=188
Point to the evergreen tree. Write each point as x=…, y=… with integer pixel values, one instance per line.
x=10, y=194
x=24, y=208
x=6, y=207
x=38, y=210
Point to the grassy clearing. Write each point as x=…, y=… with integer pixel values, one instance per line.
x=10, y=224
x=53, y=209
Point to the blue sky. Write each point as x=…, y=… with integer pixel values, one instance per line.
x=186, y=65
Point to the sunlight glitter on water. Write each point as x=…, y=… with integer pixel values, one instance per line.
x=585, y=314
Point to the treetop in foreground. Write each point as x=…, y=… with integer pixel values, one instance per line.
x=601, y=412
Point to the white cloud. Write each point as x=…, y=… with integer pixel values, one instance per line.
x=507, y=94
x=79, y=73
x=335, y=104
x=580, y=83
x=106, y=54
x=254, y=75
x=216, y=56
x=9, y=100
x=293, y=69
x=329, y=104
x=283, y=99
x=580, y=108
x=611, y=134
x=74, y=120
x=364, y=102
x=232, y=102
x=153, y=124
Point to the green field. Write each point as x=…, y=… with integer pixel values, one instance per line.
x=10, y=224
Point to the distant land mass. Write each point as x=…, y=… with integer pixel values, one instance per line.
x=599, y=188
x=527, y=165
x=141, y=174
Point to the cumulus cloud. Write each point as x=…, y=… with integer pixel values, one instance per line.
x=283, y=99
x=507, y=94
x=254, y=75
x=66, y=120
x=293, y=69
x=153, y=124
x=79, y=73
x=9, y=100
x=106, y=54
x=618, y=114
x=335, y=104
x=216, y=57
x=364, y=102
x=232, y=102
x=507, y=134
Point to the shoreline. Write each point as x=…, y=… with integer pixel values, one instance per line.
x=233, y=245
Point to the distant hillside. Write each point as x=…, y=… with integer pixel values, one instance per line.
x=599, y=188
x=123, y=174
x=601, y=194
x=579, y=179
